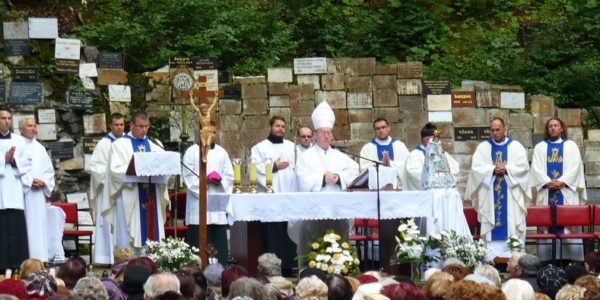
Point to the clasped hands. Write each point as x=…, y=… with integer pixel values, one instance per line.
x=331, y=177
x=9, y=156
x=555, y=185
x=37, y=184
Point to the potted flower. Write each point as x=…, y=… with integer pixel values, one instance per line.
x=333, y=255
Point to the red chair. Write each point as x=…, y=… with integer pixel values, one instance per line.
x=574, y=215
x=70, y=210
x=596, y=221
x=175, y=213
x=360, y=239
x=471, y=216
x=540, y=216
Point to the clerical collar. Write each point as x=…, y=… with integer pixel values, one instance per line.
x=130, y=135
x=504, y=141
x=324, y=150
x=557, y=141
x=275, y=139
x=383, y=142
x=5, y=136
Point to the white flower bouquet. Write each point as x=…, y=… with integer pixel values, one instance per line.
x=332, y=255
x=471, y=253
x=171, y=254
x=514, y=243
x=411, y=245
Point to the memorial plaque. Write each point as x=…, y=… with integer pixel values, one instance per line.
x=439, y=102
x=310, y=65
x=410, y=70
x=46, y=132
x=466, y=133
x=67, y=49
x=15, y=30
x=23, y=93
x=16, y=48
x=440, y=116
x=43, y=28
x=204, y=63
x=181, y=62
x=89, y=143
x=536, y=138
x=512, y=100
x=46, y=116
x=212, y=79
x=110, y=60
x=223, y=77
x=67, y=66
x=95, y=123
x=80, y=99
x=28, y=73
x=61, y=150
x=463, y=99
x=484, y=132
x=409, y=87
x=88, y=70
x=436, y=87
x=232, y=92
x=121, y=93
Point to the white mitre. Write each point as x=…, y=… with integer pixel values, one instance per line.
x=323, y=116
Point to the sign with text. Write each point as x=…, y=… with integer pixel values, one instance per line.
x=110, y=60
x=67, y=48
x=46, y=115
x=194, y=63
x=436, y=87
x=16, y=48
x=46, y=132
x=120, y=93
x=78, y=99
x=212, y=79
x=204, y=63
x=466, y=133
x=22, y=93
x=88, y=70
x=60, y=150
x=43, y=28
x=484, y=132
x=310, y=65
x=21, y=73
x=463, y=99
x=181, y=62
x=67, y=66
x=89, y=143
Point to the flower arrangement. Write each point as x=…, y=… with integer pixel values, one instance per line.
x=332, y=255
x=171, y=254
x=411, y=245
x=514, y=243
x=471, y=253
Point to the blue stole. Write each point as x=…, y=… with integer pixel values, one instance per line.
x=143, y=145
x=110, y=137
x=500, y=156
x=554, y=169
x=422, y=149
x=384, y=148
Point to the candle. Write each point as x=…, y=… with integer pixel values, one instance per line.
x=268, y=172
x=237, y=171
x=252, y=172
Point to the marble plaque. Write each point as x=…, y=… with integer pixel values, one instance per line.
x=25, y=73
x=463, y=99
x=436, y=87
x=89, y=143
x=212, y=78
x=204, y=63
x=181, y=62
x=24, y=93
x=46, y=115
x=440, y=116
x=410, y=69
x=512, y=100
x=87, y=83
x=46, y=132
x=67, y=66
x=439, y=102
x=119, y=93
x=61, y=150
x=466, y=133
x=16, y=48
x=88, y=70
x=279, y=75
x=80, y=198
x=310, y=65
x=95, y=123
x=80, y=99
x=15, y=30
x=110, y=60
x=43, y=28
x=409, y=87
x=67, y=48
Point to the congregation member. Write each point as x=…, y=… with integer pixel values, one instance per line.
x=384, y=148
x=140, y=221
x=280, y=153
x=38, y=185
x=99, y=194
x=557, y=177
x=305, y=139
x=14, y=162
x=220, y=180
x=498, y=185
x=323, y=169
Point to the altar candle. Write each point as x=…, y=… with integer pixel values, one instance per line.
x=237, y=173
x=268, y=172
x=252, y=172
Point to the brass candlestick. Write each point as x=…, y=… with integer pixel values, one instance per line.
x=237, y=176
x=253, y=182
x=268, y=176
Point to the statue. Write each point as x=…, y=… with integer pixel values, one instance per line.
x=204, y=115
x=436, y=170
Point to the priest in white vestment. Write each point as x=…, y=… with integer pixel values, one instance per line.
x=322, y=168
x=384, y=148
x=130, y=195
x=14, y=163
x=220, y=180
x=558, y=179
x=305, y=139
x=498, y=186
x=38, y=184
x=99, y=195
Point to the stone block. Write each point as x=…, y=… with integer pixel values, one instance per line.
x=119, y=107
x=521, y=121
x=361, y=66
x=341, y=132
x=542, y=106
x=507, y=88
x=387, y=69
x=446, y=129
x=439, y=102
x=230, y=123
x=248, y=79
x=385, y=98
x=353, y=147
x=592, y=152
x=336, y=99
x=279, y=101
x=469, y=85
x=76, y=163
x=301, y=121
x=358, y=83
x=302, y=108
x=409, y=86
x=281, y=111
x=539, y=124
x=448, y=144
x=361, y=131
x=359, y=99
x=411, y=69
x=466, y=147
x=410, y=103
x=576, y=134
x=593, y=135
x=159, y=93
x=333, y=82
x=571, y=116
x=592, y=168
x=253, y=122
x=523, y=136
x=337, y=65
x=278, y=88
x=468, y=116
x=417, y=118
x=361, y=116
x=487, y=97
x=111, y=76
x=496, y=113
x=255, y=106
x=512, y=100
x=341, y=116
x=439, y=116
x=230, y=107
x=413, y=135
x=592, y=181
x=302, y=92
x=309, y=79
x=280, y=74
x=398, y=132
x=391, y=114
x=254, y=91
x=384, y=81
x=251, y=138
x=231, y=142
x=464, y=160
x=95, y=123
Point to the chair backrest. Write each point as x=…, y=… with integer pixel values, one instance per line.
x=573, y=215
x=70, y=210
x=596, y=215
x=471, y=216
x=181, y=200
x=539, y=215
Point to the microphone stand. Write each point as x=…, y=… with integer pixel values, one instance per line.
x=377, y=164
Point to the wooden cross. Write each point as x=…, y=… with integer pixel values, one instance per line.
x=204, y=95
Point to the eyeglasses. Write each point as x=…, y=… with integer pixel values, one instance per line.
x=142, y=126
x=306, y=136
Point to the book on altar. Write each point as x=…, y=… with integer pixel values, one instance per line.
x=368, y=178
x=155, y=167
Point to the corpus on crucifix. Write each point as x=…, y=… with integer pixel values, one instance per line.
x=204, y=117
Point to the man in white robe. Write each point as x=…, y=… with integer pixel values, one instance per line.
x=38, y=184
x=218, y=162
x=558, y=179
x=99, y=194
x=14, y=163
x=384, y=148
x=280, y=153
x=305, y=139
x=130, y=196
x=322, y=168
x=498, y=186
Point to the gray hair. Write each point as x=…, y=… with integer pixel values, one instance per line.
x=513, y=261
x=90, y=288
x=22, y=121
x=530, y=264
x=246, y=286
x=269, y=265
x=8, y=297
x=518, y=289
x=490, y=273
x=311, y=288
x=212, y=273
x=158, y=284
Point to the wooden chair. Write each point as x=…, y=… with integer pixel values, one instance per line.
x=541, y=216
x=575, y=215
x=175, y=213
x=471, y=216
x=75, y=234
